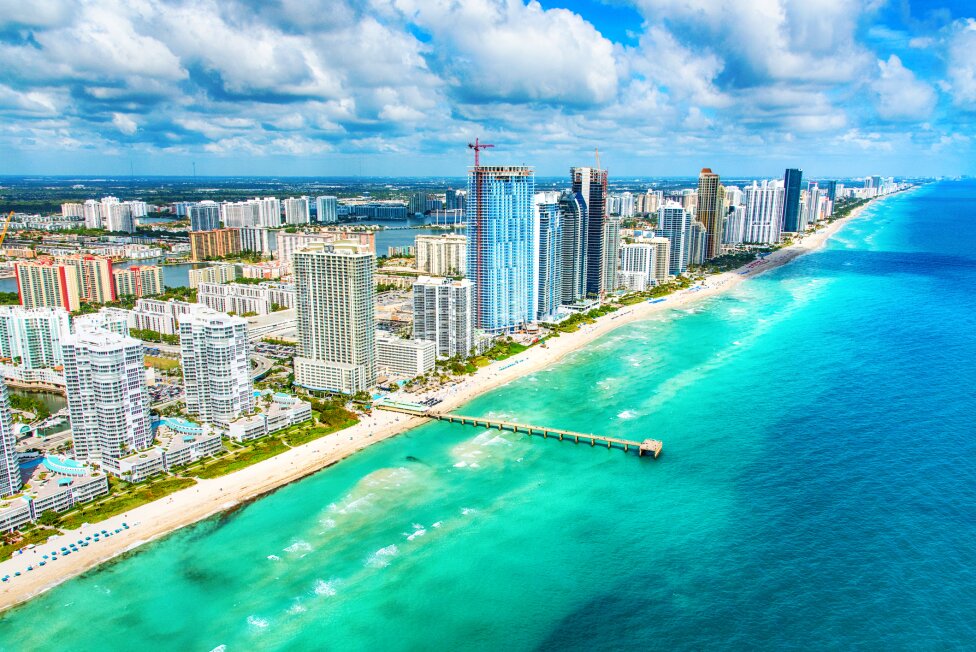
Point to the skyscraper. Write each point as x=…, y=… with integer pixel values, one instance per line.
x=326, y=209
x=591, y=184
x=108, y=401
x=45, y=283
x=611, y=253
x=674, y=223
x=216, y=369
x=92, y=211
x=442, y=313
x=95, y=278
x=791, y=200
x=764, y=211
x=711, y=211
x=33, y=336
x=501, y=246
x=335, y=314
x=297, y=211
x=441, y=255
x=573, y=209
x=549, y=266
x=10, y=478
x=204, y=216
x=139, y=281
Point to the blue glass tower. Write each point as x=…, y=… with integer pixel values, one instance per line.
x=502, y=246
x=791, y=200
x=549, y=265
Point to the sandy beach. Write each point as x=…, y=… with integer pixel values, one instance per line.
x=209, y=497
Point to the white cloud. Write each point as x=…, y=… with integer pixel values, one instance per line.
x=124, y=123
x=901, y=96
x=961, y=63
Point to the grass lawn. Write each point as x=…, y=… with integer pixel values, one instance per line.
x=303, y=436
x=162, y=363
x=36, y=536
x=261, y=450
x=136, y=496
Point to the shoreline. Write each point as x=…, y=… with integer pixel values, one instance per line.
x=163, y=517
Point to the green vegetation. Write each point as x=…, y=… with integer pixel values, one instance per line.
x=386, y=287
x=332, y=413
x=161, y=363
x=657, y=291
x=12, y=541
x=259, y=450
x=30, y=404
x=504, y=347
x=573, y=323
x=9, y=299
x=148, y=335
x=130, y=497
x=730, y=261
x=241, y=257
x=277, y=341
x=248, y=281
x=457, y=366
x=843, y=209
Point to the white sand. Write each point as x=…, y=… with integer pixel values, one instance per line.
x=208, y=497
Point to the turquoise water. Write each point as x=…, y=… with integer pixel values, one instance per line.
x=817, y=490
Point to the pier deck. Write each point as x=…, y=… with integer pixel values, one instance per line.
x=647, y=446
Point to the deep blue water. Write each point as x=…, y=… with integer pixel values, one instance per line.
x=817, y=490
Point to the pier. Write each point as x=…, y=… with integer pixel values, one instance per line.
x=644, y=447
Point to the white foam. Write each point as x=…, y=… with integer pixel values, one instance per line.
x=466, y=510
x=473, y=465
x=274, y=557
x=325, y=588
x=437, y=524
x=299, y=546
x=328, y=522
x=627, y=414
x=254, y=621
x=416, y=533
x=297, y=608
x=220, y=648
x=382, y=557
x=460, y=465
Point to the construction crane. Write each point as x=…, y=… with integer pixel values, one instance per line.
x=477, y=146
x=6, y=225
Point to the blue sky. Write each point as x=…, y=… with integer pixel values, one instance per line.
x=398, y=87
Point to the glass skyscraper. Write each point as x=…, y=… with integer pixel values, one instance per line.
x=501, y=246
x=591, y=184
x=549, y=267
x=791, y=200
x=674, y=223
x=573, y=208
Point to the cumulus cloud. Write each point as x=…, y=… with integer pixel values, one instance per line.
x=961, y=65
x=901, y=96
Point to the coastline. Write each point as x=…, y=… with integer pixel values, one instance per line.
x=208, y=497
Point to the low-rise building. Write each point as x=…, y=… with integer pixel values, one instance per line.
x=399, y=357
x=275, y=412
x=243, y=298
x=220, y=273
x=160, y=316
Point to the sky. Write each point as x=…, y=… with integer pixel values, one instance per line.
x=399, y=87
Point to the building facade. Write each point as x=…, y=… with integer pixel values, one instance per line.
x=442, y=313
x=204, y=216
x=572, y=206
x=441, y=255
x=335, y=315
x=216, y=367
x=44, y=283
x=763, y=212
x=33, y=336
x=408, y=358
x=139, y=281
x=501, y=246
x=591, y=185
x=207, y=245
x=711, y=211
x=549, y=256
x=326, y=209
x=792, y=181
x=108, y=400
x=10, y=480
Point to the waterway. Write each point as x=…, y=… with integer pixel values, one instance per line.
x=816, y=490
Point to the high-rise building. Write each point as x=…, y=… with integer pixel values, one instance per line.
x=269, y=211
x=92, y=212
x=204, y=215
x=108, y=400
x=139, y=281
x=72, y=210
x=297, y=211
x=289, y=243
x=611, y=253
x=763, y=212
x=442, y=255
x=10, y=478
x=335, y=314
x=33, y=336
x=591, y=184
x=733, y=230
x=95, y=277
x=442, y=313
x=674, y=223
x=573, y=246
x=832, y=191
x=711, y=211
x=501, y=246
x=812, y=206
x=219, y=243
x=791, y=200
x=326, y=209
x=216, y=367
x=549, y=264
x=400, y=357
x=117, y=217
x=46, y=283
x=259, y=239
x=114, y=320
x=697, y=243
x=242, y=214
x=644, y=263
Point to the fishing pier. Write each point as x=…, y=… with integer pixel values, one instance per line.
x=645, y=447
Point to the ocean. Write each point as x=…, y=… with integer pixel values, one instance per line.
x=817, y=490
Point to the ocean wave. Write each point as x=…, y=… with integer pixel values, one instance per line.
x=627, y=414
x=274, y=557
x=299, y=546
x=383, y=556
x=325, y=588
x=255, y=621
x=416, y=533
